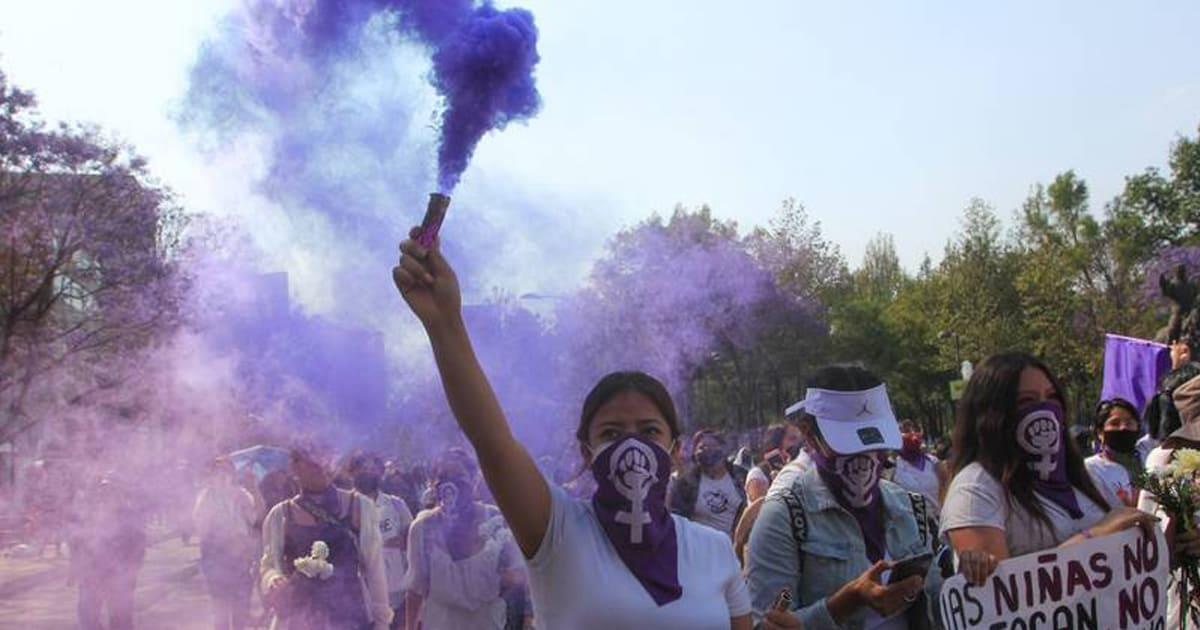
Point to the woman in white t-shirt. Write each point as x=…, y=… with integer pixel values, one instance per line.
x=620, y=560
x=1020, y=485
x=1117, y=427
x=781, y=444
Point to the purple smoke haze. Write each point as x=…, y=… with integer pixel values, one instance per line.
x=483, y=60
x=329, y=94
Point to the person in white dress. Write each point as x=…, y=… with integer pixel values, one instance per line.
x=462, y=558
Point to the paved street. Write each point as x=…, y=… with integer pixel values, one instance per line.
x=34, y=594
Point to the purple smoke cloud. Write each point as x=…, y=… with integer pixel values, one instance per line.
x=483, y=62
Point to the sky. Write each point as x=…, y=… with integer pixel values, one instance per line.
x=878, y=117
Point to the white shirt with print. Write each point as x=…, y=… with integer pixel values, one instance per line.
x=717, y=503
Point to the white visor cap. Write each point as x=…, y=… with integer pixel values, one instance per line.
x=852, y=422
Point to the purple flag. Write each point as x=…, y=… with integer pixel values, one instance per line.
x=1133, y=369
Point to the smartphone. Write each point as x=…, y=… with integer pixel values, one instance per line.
x=435, y=213
x=776, y=459
x=908, y=567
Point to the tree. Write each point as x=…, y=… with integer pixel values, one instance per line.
x=86, y=270
x=684, y=299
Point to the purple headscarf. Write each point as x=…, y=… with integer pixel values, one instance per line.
x=631, y=504
x=1042, y=437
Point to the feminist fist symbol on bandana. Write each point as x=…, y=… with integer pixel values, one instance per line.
x=633, y=470
x=859, y=473
x=1039, y=435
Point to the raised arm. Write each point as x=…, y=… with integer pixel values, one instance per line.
x=430, y=288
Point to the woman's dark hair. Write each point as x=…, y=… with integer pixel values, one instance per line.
x=839, y=378
x=619, y=383
x=773, y=437
x=985, y=432
x=909, y=426
x=715, y=434
x=454, y=462
x=1105, y=408
x=361, y=459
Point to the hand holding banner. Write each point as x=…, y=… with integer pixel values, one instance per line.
x=1110, y=583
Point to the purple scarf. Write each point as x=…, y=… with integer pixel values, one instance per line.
x=854, y=480
x=631, y=505
x=1042, y=437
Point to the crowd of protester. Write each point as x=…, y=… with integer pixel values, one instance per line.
x=812, y=522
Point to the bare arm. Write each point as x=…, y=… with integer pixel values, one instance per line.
x=412, y=610
x=756, y=489
x=431, y=290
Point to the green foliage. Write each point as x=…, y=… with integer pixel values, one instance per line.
x=1052, y=282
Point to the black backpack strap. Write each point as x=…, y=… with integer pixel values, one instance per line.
x=323, y=515
x=927, y=522
x=797, y=519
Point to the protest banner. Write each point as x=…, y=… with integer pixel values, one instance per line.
x=1117, y=582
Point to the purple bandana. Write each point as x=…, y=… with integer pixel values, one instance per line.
x=1042, y=436
x=854, y=480
x=631, y=505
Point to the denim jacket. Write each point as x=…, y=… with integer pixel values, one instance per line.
x=833, y=552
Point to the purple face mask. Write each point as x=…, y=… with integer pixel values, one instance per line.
x=631, y=505
x=1042, y=437
x=855, y=477
x=854, y=481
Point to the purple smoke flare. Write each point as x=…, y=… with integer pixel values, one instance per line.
x=483, y=64
x=485, y=72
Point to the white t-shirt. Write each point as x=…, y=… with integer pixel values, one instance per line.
x=717, y=503
x=1113, y=476
x=462, y=593
x=976, y=499
x=756, y=474
x=394, y=520
x=923, y=482
x=578, y=582
x=1145, y=444
x=793, y=469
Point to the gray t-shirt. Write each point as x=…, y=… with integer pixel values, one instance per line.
x=976, y=499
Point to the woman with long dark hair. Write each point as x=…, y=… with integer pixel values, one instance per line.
x=1020, y=485
x=620, y=560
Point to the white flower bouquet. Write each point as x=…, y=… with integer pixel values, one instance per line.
x=1176, y=488
x=315, y=564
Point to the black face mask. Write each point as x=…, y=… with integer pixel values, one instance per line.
x=1121, y=441
x=366, y=483
x=794, y=451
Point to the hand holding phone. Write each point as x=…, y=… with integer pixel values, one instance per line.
x=908, y=567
